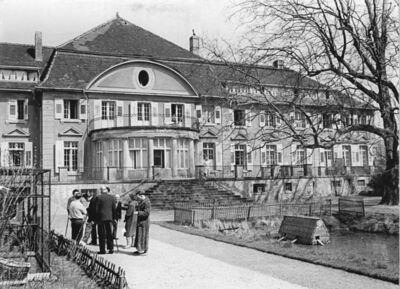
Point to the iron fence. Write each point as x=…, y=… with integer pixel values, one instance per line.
x=194, y=212
x=351, y=206
x=103, y=271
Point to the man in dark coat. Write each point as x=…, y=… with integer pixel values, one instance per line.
x=143, y=224
x=105, y=214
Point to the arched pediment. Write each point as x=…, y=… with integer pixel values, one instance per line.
x=143, y=77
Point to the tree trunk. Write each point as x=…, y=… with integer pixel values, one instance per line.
x=390, y=178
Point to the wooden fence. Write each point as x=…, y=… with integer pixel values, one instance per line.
x=351, y=206
x=104, y=272
x=191, y=213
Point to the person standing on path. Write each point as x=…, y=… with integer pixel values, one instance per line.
x=105, y=213
x=143, y=224
x=131, y=221
x=118, y=215
x=77, y=213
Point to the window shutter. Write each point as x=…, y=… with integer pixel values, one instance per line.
x=58, y=108
x=167, y=113
x=337, y=121
x=120, y=113
x=59, y=153
x=188, y=115
x=219, y=156
x=154, y=119
x=83, y=109
x=26, y=114
x=218, y=115
x=248, y=117
x=249, y=158
x=293, y=148
x=134, y=113
x=12, y=109
x=81, y=157
x=28, y=154
x=279, y=154
x=321, y=155
x=4, y=154
x=96, y=113
x=199, y=113
x=262, y=119
x=309, y=156
x=232, y=157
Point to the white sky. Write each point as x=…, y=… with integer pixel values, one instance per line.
x=62, y=20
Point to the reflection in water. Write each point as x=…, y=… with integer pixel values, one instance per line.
x=380, y=247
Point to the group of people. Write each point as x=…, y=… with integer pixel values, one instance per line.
x=93, y=216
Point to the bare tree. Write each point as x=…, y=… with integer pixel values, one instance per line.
x=349, y=47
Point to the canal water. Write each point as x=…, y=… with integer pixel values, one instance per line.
x=381, y=247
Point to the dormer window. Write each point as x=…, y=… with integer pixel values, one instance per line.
x=18, y=75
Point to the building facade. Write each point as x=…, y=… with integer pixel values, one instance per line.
x=120, y=104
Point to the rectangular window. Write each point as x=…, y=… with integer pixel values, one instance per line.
x=21, y=110
x=71, y=109
x=364, y=155
x=288, y=187
x=270, y=119
x=270, y=155
x=115, y=153
x=336, y=184
x=239, y=117
x=208, y=151
x=177, y=113
x=209, y=114
x=138, y=152
x=183, y=153
x=108, y=110
x=16, y=154
x=258, y=188
x=71, y=155
x=99, y=155
x=347, y=155
x=143, y=111
x=240, y=153
x=327, y=120
x=300, y=119
x=361, y=183
x=300, y=155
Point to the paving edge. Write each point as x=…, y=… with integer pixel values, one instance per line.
x=218, y=239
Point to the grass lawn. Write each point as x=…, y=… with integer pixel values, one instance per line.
x=365, y=264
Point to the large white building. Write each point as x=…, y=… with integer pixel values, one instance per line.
x=119, y=104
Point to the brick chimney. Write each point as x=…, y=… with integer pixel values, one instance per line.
x=278, y=64
x=194, y=43
x=38, y=46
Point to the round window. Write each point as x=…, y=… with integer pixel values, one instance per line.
x=143, y=78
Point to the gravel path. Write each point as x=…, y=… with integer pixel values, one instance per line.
x=181, y=261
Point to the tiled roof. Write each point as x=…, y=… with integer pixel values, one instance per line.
x=75, y=70
x=12, y=54
x=120, y=37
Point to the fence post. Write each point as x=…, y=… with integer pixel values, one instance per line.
x=339, y=206
x=330, y=207
x=213, y=210
x=248, y=213
x=363, y=208
x=192, y=221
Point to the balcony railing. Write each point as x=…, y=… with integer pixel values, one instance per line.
x=160, y=120
x=205, y=172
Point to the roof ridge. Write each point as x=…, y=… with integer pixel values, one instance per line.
x=89, y=31
x=24, y=44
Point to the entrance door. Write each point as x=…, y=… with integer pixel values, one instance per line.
x=159, y=159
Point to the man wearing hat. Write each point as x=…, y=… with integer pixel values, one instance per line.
x=143, y=223
x=105, y=208
x=77, y=214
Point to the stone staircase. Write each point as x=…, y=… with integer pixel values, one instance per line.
x=166, y=193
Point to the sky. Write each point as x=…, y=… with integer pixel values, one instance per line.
x=62, y=20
